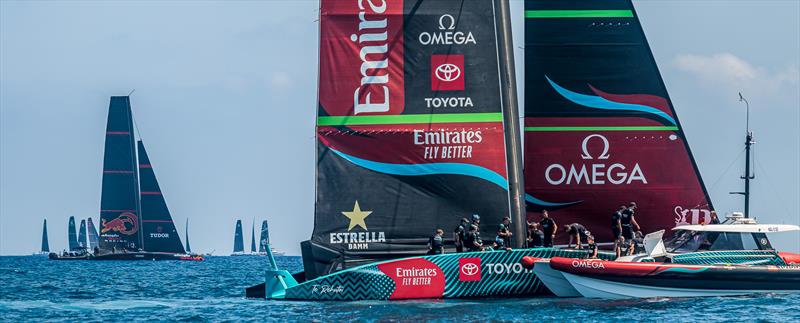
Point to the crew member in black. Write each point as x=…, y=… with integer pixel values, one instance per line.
x=628, y=222
x=616, y=226
x=436, y=243
x=460, y=233
x=504, y=232
x=535, y=236
x=577, y=231
x=714, y=218
x=548, y=226
x=592, y=246
x=476, y=221
x=473, y=239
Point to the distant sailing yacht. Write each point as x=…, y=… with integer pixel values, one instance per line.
x=45, y=250
x=135, y=223
x=238, y=240
x=264, y=242
x=76, y=250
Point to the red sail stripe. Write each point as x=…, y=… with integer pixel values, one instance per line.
x=132, y=211
x=145, y=166
x=158, y=221
x=117, y=133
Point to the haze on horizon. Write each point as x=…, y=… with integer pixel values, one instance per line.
x=226, y=99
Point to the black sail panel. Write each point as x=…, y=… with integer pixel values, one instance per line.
x=188, y=248
x=600, y=128
x=238, y=239
x=253, y=237
x=83, y=242
x=119, y=204
x=71, y=235
x=159, y=232
x=93, y=239
x=264, y=241
x=45, y=241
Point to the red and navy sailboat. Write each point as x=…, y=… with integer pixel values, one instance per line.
x=135, y=223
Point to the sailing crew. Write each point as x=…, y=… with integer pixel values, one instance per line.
x=548, y=226
x=592, y=246
x=436, y=243
x=578, y=232
x=473, y=239
x=504, y=232
x=714, y=218
x=476, y=221
x=628, y=221
x=535, y=236
x=616, y=225
x=460, y=233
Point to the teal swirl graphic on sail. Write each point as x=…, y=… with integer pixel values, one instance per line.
x=442, y=169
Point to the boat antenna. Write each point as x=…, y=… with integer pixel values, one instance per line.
x=747, y=174
x=131, y=92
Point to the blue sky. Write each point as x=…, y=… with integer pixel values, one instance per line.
x=226, y=96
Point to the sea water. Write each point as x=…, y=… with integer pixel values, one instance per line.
x=33, y=288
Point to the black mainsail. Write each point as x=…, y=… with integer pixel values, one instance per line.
x=160, y=234
x=83, y=242
x=253, y=238
x=188, y=248
x=71, y=235
x=45, y=242
x=264, y=241
x=238, y=239
x=119, y=204
x=93, y=239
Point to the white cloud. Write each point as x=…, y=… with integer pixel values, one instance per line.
x=733, y=73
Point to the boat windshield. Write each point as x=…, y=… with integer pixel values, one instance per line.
x=690, y=241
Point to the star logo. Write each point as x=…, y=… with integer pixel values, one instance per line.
x=357, y=217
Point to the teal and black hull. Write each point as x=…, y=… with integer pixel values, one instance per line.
x=456, y=275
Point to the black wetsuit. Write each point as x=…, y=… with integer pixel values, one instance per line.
x=626, y=219
x=615, y=231
x=592, y=247
x=436, y=244
x=548, y=228
x=536, y=239
x=471, y=238
x=461, y=232
x=506, y=240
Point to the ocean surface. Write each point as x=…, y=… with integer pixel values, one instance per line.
x=34, y=288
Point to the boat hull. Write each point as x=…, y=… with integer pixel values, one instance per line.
x=55, y=256
x=457, y=275
x=147, y=256
x=606, y=279
x=554, y=280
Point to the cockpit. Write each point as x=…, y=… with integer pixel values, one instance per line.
x=684, y=241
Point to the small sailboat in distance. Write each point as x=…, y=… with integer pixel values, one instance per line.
x=76, y=251
x=264, y=244
x=188, y=248
x=253, y=250
x=238, y=240
x=83, y=241
x=45, y=249
x=92, y=232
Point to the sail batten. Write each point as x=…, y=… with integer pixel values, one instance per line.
x=600, y=128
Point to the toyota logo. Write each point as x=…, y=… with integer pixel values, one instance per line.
x=448, y=72
x=469, y=269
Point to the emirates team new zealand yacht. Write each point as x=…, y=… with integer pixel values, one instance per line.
x=732, y=258
x=418, y=127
